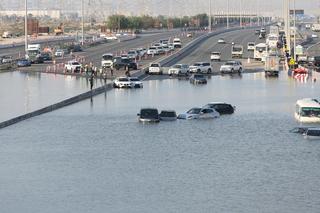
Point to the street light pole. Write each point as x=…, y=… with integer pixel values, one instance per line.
x=26, y=28
x=240, y=13
x=82, y=30
x=210, y=24
x=227, y=14
x=294, y=27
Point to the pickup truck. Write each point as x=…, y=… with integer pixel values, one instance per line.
x=201, y=67
x=72, y=66
x=124, y=63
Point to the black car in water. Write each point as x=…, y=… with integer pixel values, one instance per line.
x=198, y=79
x=149, y=115
x=222, y=108
x=124, y=63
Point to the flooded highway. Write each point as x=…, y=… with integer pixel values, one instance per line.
x=95, y=156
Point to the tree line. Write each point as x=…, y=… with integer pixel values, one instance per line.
x=133, y=23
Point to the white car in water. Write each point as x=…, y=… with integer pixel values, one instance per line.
x=72, y=66
x=123, y=82
x=231, y=67
x=199, y=113
x=221, y=41
x=179, y=69
x=136, y=82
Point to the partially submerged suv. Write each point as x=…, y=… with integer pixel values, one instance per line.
x=124, y=63
x=155, y=68
x=222, y=108
x=148, y=115
x=231, y=67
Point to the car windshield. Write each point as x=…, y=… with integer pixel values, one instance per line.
x=134, y=79
x=149, y=113
x=107, y=57
x=75, y=63
x=230, y=63
x=310, y=112
x=152, y=48
x=177, y=66
x=197, y=64
x=131, y=52
x=154, y=65
x=261, y=49
x=238, y=49
x=168, y=114
x=313, y=132
x=215, y=53
x=122, y=79
x=194, y=111
x=251, y=44
x=198, y=76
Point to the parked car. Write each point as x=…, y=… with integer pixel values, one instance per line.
x=160, y=50
x=231, y=67
x=136, y=82
x=123, y=82
x=190, y=35
x=215, y=56
x=152, y=51
x=168, y=115
x=59, y=53
x=142, y=51
x=221, y=41
x=132, y=54
x=222, y=108
x=179, y=69
x=316, y=61
x=124, y=63
x=72, y=66
x=198, y=79
x=155, y=68
x=314, y=36
x=46, y=56
x=177, y=43
x=75, y=48
x=257, y=32
x=199, y=113
x=6, y=59
x=201, y=67
x=251, y=46
x=23, y=63
x=148, y=115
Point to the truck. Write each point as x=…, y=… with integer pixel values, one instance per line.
x=34, y=53
x=315, y=28
x=237, y=51
x=271, y=66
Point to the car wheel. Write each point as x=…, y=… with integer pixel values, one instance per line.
x=232, y=70
x=198, y=71
x=240, y=69
x=209, y=71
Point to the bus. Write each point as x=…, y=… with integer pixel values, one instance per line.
x=260, y=51
x=307, y=110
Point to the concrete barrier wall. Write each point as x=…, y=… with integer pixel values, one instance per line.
x=58, y=105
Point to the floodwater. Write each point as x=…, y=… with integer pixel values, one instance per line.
x=95, y=157
x=23, y=92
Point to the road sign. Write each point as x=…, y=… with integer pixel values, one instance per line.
x=292, y=62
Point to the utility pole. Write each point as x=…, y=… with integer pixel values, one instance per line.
x=240, y=13
x=210, y=15
x=82, y=17
x=227, y=14
x=258, y=11
x=26, y=28
x=294, y=27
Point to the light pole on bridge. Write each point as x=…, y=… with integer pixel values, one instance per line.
x=26, y=28
x=227, y=14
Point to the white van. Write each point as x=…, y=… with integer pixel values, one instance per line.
x=260, y=51
x=237, y=51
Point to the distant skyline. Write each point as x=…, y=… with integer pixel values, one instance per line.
x=160, y=7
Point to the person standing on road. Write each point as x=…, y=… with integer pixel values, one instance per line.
x=91, y=82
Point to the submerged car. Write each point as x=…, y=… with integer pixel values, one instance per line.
x=307, y=132
x=168, y=115
x=222, y=108
x=136, y=82
x=198, y=79
x=148, y=115
x=199, y=113
x=123, y=82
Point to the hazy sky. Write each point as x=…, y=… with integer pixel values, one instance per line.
x=164, y=7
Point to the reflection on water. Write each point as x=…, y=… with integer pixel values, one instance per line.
x=22, y=92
